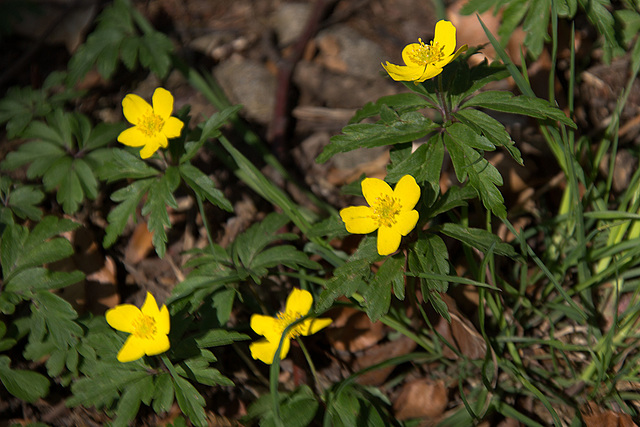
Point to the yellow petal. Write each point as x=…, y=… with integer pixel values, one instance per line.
x=163, y=103
x=153, y=144
x=163, y=321
x=133, y=137
x=404, y=73
x=265, y=351
x=121, y=317
x=299, y=302
x=407, y=192
x=430, y=72
x=131, y=350
x=373, y=188
x=266, y=326
x=388, y=240
x=159, y=344
x=134, y=108
x=172, y=127
x=358, y=220
x=311, y=326
x=405, y=222
x=445, y=36
x=150, y=307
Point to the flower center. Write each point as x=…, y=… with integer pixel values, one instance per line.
x=144, y=327
x=385, y=210
x=151, y=124
x=287, y=318
x=426, y=53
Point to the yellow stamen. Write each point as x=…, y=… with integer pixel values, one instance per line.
x=151, y=124
x=144, y=327
x=385, y=210
x=426, y=53
x=287, y=318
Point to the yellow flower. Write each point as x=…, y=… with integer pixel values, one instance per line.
x=298, y=305
x=425, y=61
x=389, y=212
x=153, y=126
x=148, y=327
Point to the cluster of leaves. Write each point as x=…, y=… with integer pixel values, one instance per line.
x=617, y=27
x=118, y=37
x=26, y=294
x=64, y=152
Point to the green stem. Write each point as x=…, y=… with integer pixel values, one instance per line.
x=312, y=367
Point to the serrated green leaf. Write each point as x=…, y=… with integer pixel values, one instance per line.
x=70, y=193
x=124, y=165
x=346, y=280
x=492, y=129
x=190, y=401
x=26, y=385
x=154, y=53
x=430, y=255
x=160, y=197
x=129, y=197
x=409, y=127
x=483, y=176
x=129, y=402
x=461, y=132
x=424, y=164
x=204, y=186
x=454, y=197
x=209, y=130
x=163, y=393
x=40, y=278
x=250, y=243
x=525, y=105
x=44, y=152
x=86, y=178
x=402, y=102
x=479, y=239
x=377, y=294
x=219, y=337
x=23, y=202
x=536, y=20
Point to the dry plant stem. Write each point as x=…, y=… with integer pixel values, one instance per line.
x=280, y=121
x=250, y=364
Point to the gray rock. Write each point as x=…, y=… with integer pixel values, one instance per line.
x=249, y=83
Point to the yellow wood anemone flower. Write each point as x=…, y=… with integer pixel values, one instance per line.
x=153, y=126
x=425, y=61
x=148, y=326
x=390, y=212
x=298, y=305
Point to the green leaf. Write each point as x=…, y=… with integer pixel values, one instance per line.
x=401, y=103
x=462, y=132
x=190, y=401
x=204, y=186
x=430, y=255
x=483, y=176
x=129, y=197
x=25, y=385
x=409, y=127
x=40, y=278
x=535, y=25
x=479, y=239
x=210, y=129
x=160, y=197
x=155, y=53
x=424, y=164
x=124, y=165
x=23, y=202
x=219, y=337
x=525, y=105
x=492, y=129
x=163, y=393
x=346, y=280
x=377, y=294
